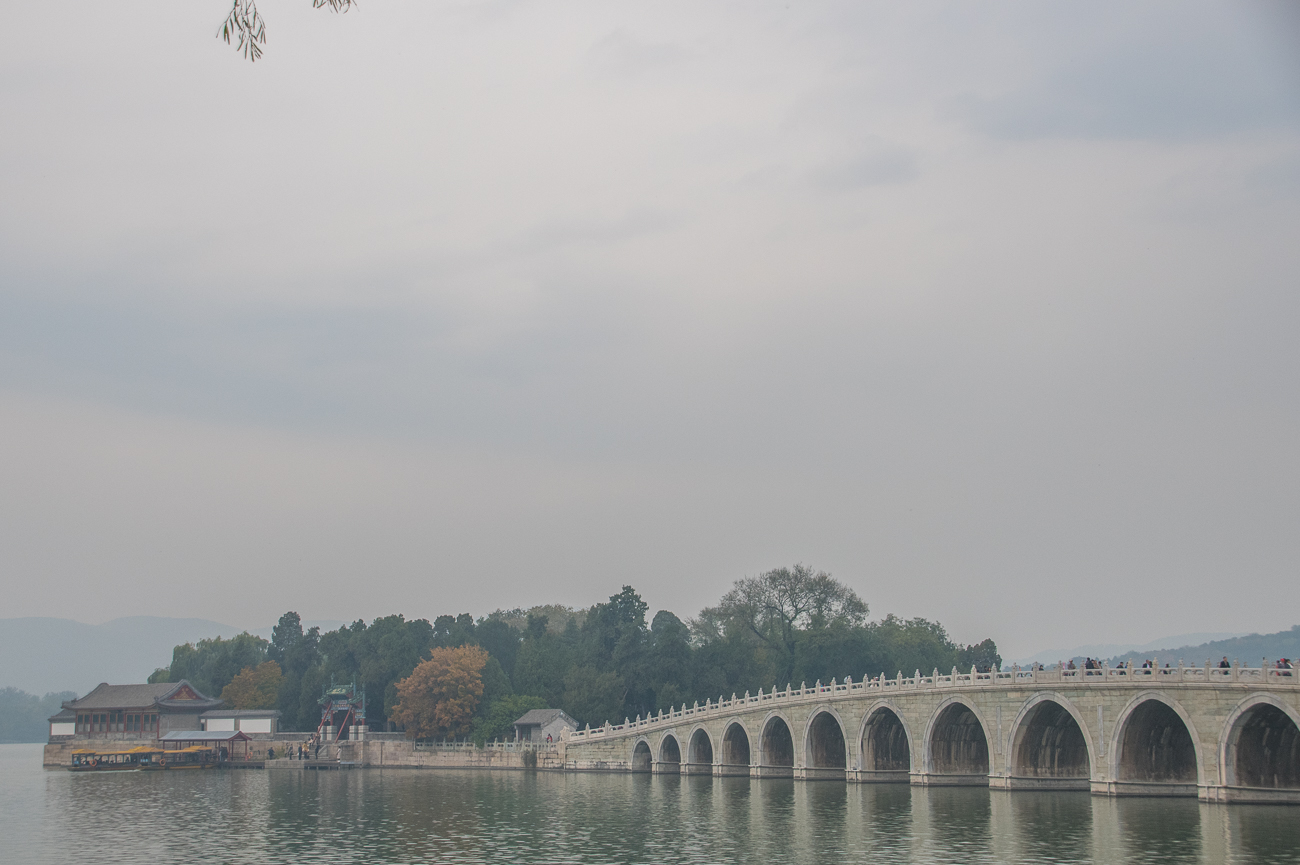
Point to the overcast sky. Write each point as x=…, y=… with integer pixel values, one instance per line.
x=990, y=310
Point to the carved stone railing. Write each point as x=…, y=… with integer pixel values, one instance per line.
x=1013, y=678
x=422, y=745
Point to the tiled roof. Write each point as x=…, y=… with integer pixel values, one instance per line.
x=542, y=717
x=203, y=736
x=64, y=715
x=108, y=696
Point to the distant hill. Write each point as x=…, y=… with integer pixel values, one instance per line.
x=1108, y=650
x=1249, y=649
x=40, y=655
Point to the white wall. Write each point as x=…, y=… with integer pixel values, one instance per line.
x=220, y=724
x=255, y=725
x=63, y=728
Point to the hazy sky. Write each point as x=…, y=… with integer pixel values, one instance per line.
x=990, y=309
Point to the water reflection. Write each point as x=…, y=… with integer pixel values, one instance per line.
x=1263, y=834
x=1160, y=830
x=255, y=818
x=1054, y=827
x=960, y=824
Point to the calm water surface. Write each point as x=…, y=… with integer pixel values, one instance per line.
x=377, y=816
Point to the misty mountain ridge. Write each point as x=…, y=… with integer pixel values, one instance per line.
x=48, y=654
x=1192, y=649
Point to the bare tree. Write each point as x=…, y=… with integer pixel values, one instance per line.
x=246, y=24
x=776, y=606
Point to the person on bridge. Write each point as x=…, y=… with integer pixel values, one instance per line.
x=1223, y=665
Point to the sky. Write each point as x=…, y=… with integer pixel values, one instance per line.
x=989, y=310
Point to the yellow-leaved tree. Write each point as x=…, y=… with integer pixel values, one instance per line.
x=254, y=687
x=438, y=699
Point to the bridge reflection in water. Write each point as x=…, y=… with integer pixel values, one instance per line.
x=1220, y=734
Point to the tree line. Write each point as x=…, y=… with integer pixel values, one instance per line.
x=23, y=716
x=607, y=662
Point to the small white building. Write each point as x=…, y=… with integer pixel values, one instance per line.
x=537, y=724
x=63, y=724
x=244, y=720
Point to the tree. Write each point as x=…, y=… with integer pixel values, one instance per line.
x=594, y=696
x=284, y=636
x=245, y=23
x=438, y=699
x=377, y=656
x=542, y=662
x=669, y=668
x=983, y=656
x=210, y=665
x=500, y=640
x=499, y=719
x=775, y=607
x=254, y=688
x=23, y=715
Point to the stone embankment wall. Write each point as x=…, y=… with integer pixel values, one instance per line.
x=385, y=752
x=405, y=755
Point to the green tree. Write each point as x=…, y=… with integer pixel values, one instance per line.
x=23, y=716
x=377, y=656
x=210, y=665
x=541, y=664
x=983, y=656
x=670, y=663
x=497, y=721
x=500, y=640
x=296, y=652
x=594, y=697
x=779, y=606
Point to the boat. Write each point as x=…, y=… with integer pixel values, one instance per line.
x=129, y=760
x=193, y=757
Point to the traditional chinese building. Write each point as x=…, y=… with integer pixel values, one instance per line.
x=538, y=724
x=125, y=713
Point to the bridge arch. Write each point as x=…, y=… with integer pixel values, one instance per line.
x=1260, y=745
x=1050, y=745
x=776, y=745
x=670, y=751
x=641, y=758
x=735, y=745
x=885, y=745
x=825, y=747
x=700, y=747
x=1155, y=742
x=957, y=743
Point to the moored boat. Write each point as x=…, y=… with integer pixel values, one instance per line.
x=129, y=760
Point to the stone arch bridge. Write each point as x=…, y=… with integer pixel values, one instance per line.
x=1222, y=734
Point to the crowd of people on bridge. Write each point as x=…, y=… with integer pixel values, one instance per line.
x=1153, y=664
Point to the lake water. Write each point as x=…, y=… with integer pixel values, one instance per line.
x=373, y=816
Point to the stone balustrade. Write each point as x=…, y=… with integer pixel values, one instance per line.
x=1015, y=677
